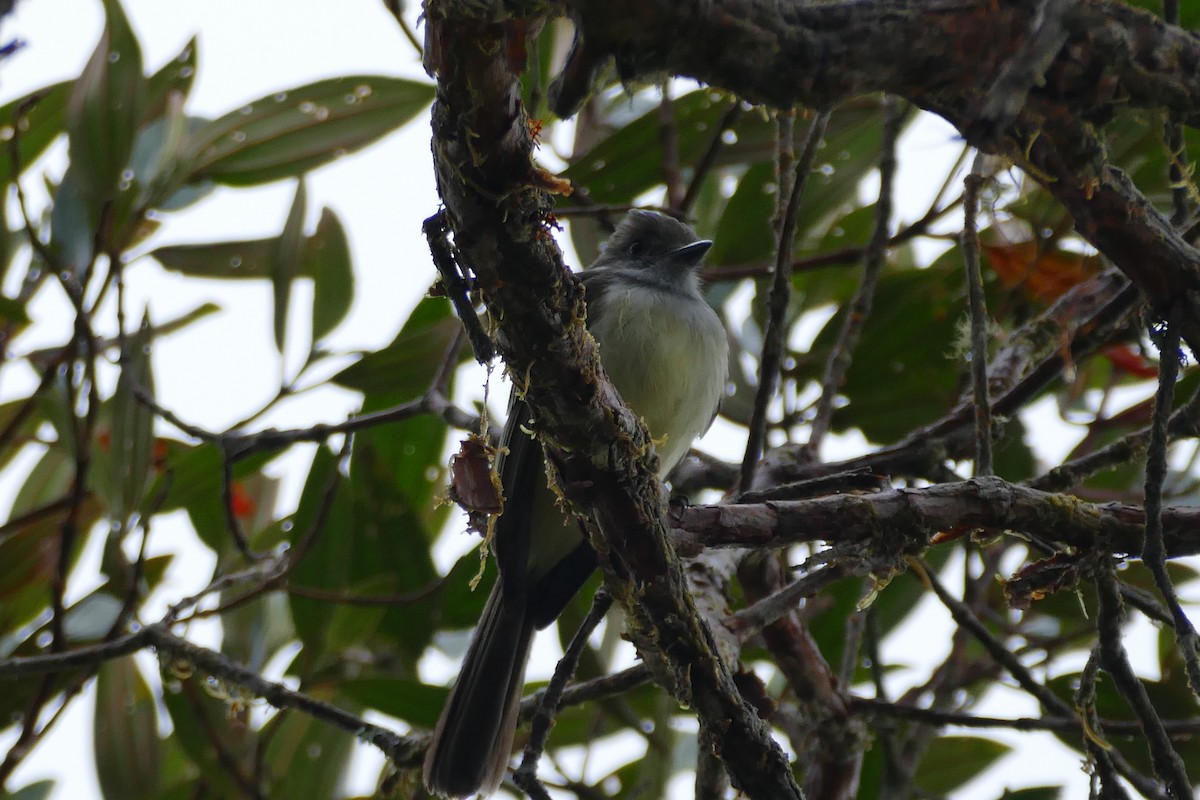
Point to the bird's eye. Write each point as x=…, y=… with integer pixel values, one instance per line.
x=635, y=249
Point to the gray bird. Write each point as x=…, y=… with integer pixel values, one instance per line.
x=666, y=352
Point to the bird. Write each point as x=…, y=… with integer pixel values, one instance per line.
x=666, y=352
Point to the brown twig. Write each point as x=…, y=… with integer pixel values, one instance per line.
x=979, y=320
x=838, y=363
x=795, y=179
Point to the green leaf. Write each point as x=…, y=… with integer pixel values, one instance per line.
x=245, y=259
x=292, y=132
x=204, y=720
x=327, y=262
x=902, y=375
x=351, y=625
x=125, y=732
x=418, y=704
x=156, y=169
x=629, y=162
x=12, y=312
x=192, y=480
x=325, y=258
x=256, y=630
x=285, y=262
x=72, y=224
x=394, y=508
x=458, y=606
x=39, y=790
x=744, y=233
x=1014, y=460
x=201, y=311
x=1171, y=697
x=105, y=110
x=1033, y=793
x=895, y=603
x=306, y=757
x=324, y=566
x=30, y=553
x=951, y=761
x=132, y=427
x=36, y=119
x=406, y=367
x=26, y=427
x=82, y=619
x=156, y=163
x=176, y=76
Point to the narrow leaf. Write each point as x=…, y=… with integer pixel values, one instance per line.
x=309, y=757
x=954, y=760
x=244, y=259
x=132, y=426
x=285, y=261
x=291, y=132
x=176, y=76
x=39, y=790
x=104, y=110
x=72, y=223
x=36, y=120
x=327, y=262
x=407, y=365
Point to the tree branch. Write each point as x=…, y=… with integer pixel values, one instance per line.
x=909, y=515
x=937, y=54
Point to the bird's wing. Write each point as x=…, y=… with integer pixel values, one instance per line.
x=521, y=469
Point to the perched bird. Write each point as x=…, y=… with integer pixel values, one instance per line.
x=666, y=352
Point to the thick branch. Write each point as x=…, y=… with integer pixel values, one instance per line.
x=910, y=515
x=940, y=54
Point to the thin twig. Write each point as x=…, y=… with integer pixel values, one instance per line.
x=1097, y=748
x=668, y=137
x=846, y=255
x=1129, y=448
x=979, y=320
x=1154, y=550
x=241, y=445
x=709, y=158
x=1110, y=614
x=966, y=619
x=859, y=309
x=1177, y=156
x=1183, y=729
x=749, y=621
x=781, y=288
x=396, y=7
x=543, y=719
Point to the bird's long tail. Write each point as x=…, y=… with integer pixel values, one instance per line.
x=472, y=743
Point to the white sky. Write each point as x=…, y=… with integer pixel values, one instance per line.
x=225, y=367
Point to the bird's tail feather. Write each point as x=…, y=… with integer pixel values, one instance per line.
x=472, y=743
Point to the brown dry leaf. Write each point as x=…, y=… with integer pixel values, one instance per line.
x=1043, y=276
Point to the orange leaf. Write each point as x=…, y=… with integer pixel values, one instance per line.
x=1125, y=359
x=1043, y=276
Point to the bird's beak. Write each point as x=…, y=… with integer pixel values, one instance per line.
x=690, y=255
